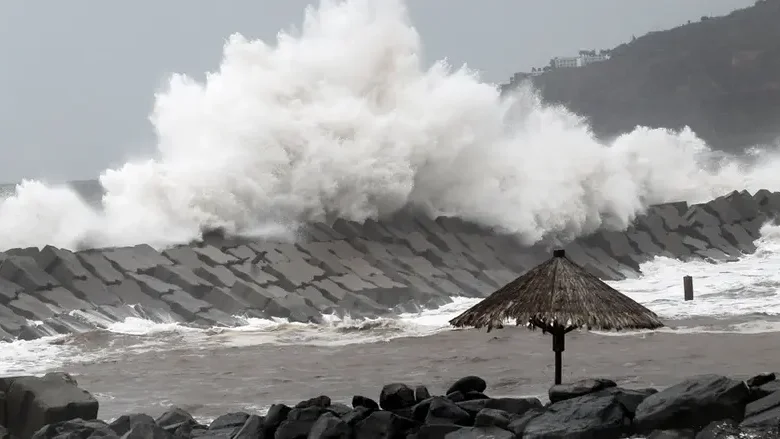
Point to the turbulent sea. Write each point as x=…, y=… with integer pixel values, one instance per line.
x=341, y=119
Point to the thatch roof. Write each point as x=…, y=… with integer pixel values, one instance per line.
x=559, y=294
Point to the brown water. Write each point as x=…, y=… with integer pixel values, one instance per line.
x=210, y=378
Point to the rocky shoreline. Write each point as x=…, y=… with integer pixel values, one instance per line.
x=701, y=407
x=401, y=264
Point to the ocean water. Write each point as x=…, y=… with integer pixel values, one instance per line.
x=340, y=118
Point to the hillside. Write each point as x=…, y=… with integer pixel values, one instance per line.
x=720, y=76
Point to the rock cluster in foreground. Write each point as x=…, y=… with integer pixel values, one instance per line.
x=398, y=264
x=702, y=407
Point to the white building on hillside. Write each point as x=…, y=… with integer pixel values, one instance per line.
x=560, y=62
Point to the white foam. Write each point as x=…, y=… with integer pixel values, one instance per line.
x=342, y=119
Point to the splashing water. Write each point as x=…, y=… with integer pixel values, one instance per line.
x=342, y=119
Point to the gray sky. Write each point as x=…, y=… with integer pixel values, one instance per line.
x=77, y=77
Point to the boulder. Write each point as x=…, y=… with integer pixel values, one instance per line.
x=383, y=424
x=421, y=393
x=125, y=423
x=591, y=416
x=252, y=428
x=362, y=401
x=693, y=403
x=33, y=402
x=277, y=414
x=328, y=426
x=630, y=398
x=435, y=431
x=562, y=392
x=396, y=396
x=74, y=428
x=492, y=418
x=443, y=411
x=479, y=433
x=236, y=419
x=319, y=401
x=684, y=433
x=299, y=422
x=468, y=384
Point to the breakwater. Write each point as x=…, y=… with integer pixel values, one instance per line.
x=401, y=264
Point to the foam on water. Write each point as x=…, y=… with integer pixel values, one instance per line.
x=343, y=119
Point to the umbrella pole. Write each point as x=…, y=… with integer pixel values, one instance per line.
x=558, y=344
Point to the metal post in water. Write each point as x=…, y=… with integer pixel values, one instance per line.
x=688, y=287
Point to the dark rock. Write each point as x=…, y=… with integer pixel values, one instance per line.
x=421, y=393
x=480, y=433
x=174, y=418
x=591, y=416
x=319, y=401
x=468, y=384
x=693, y=403
x=396, y=396
x=436, y=431
x=383, y=424
x=630, y=398
x=124, y=423
x=456, y=396
x=277, y=414
x=469, y=396
x=725, y=429
x=252, y=428
x=562, y=392
x=420, y=410
x=74, y=428
x=145, y=430
x=33, y=402
x=513, y=406
x=492, y=418
x=237, y=419
x=444, y=411
x=760, y=379
x=362, y=401
x=517, y=423
x=356, y=415
x=673, y=434
x=339, y=409
x=299, y=422
x=329, y=426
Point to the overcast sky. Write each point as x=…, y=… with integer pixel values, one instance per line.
x=77, y=77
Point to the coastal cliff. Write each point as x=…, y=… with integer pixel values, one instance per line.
x=720, y=76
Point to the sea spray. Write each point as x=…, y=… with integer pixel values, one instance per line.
x=341, y=119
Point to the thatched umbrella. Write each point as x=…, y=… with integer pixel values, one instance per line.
x=558, y=296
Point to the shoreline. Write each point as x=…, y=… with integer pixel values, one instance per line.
x=467, y=407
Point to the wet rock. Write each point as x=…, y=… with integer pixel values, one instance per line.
x=435, y=431
x=396, y=396
x=252, y=428
x=760, y=379
x=362, y=401
x=480, y=433
x=328, y=426
x=602, y=417
x=421, y=393
x=693, y=403
x=236, y=419
x=124, y=423
x=443, y=411
x=299, y=422
x=277, y=414
x=562, y=392
x=630, y=398
x=33, y=402
x=174, y=418
x=468, y=384
x=492, y=418
x=686, y=433
x=319, y=401
x=383, y=424
x=75, y=428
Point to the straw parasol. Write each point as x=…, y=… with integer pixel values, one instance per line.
x=558, y=296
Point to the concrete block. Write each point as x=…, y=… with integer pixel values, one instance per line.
x=68, y=324
x=698, y=216
x=470, y=286
x=330, y=290
x=294, y=308
x=361, y=267
x=32, y=402
x=672, y=242
x=152, y=286
x=497, y=278
x=310, y=233
x=10, y=321
x=98, y=265
x=216, y=317
x=443, y=284
x=390, y=297
x=376, y=250
x=512, y=255
x=722, y=208
x=420, y=285
x=32, y=308
x=449, y=242
x=184, y=304
x=739, y=237
x=768, y=202
x=315, y=299
x=715, y=255
x=250, y=272
x=184, y=278
x=644, y=242
x=224, y=300
x=695, y=244
x=244, y=254
x=213, y=256
x=426, y=225
x=130, y=292
x=25, y=272
x=62, y=298
x=324, y=228
x=479, y=251
x=124, y=260
x=753, y=227
x=295, y=273
x=31, y=252
x=252, y=294
x=420, y=265
x=671, y=214
x=352, y=282
x=218, y=275
x=92, y=290
x=348, y=229
x=183, y=255
x=361, y=306
x=382, y=281
x=744, y=203
x=8, y=290
x=418, y=243
x=713, y=236
x=375, y=231
x=62, y=264
x=611, y=269
x=269, y=252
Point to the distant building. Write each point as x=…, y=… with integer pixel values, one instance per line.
x=585, y=58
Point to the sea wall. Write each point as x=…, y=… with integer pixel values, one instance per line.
x=370, y=269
